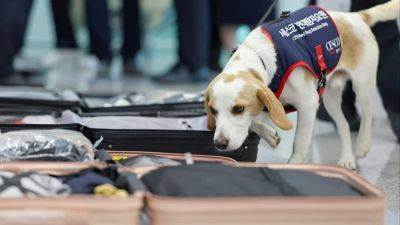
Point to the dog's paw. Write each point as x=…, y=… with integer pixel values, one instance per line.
x=273, y=140
x=347, y=162
x=362, y=151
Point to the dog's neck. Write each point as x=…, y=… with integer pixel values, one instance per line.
x=255, y=51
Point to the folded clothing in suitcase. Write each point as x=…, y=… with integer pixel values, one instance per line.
x=167, y=141
x=99, y=181
x=91, y=194
x=216, y=180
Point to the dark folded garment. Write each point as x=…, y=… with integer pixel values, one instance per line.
x=86, y=180
x=215, y=180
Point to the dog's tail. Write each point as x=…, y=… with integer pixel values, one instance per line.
x=380, y=13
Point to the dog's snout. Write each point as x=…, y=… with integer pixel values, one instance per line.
x=221, y=143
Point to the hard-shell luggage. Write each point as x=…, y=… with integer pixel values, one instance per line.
x=81, y=209
x=32, y=98
x=366, y=209
x=166, y=141
x=160, y=140
x=74, y=209
x=15, y=98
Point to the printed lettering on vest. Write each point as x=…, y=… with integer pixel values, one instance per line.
x=296, y=39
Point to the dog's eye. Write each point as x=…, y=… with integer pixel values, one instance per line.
x=238, y=109
x=213, y=111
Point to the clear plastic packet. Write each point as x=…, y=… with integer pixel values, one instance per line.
x=45, y=145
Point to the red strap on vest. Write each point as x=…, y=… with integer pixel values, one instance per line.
x=322, y=66
x=320, y=56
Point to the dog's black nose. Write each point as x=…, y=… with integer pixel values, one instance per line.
x=221, y=144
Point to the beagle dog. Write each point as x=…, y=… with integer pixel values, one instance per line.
x=236, y=99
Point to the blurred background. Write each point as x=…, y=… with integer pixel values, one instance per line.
x=145, y=46
x=121, y=44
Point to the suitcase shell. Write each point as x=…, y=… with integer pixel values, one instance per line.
x=167, y=141
x=81, y=209
x=82, y=106
x=55, y=106
x=354, y=210
x=74, y=209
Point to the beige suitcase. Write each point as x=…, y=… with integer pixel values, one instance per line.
x=355, y=210
x=75, y=209
x=80, y=209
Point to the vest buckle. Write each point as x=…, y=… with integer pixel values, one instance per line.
x=285, y=14
x=322, y=82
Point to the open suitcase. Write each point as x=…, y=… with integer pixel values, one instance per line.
x=160, y=140
x=15, y=98
x=80, y=209
x=365, y=209
x=175, y=140
x=167, y=141
x=74, y=209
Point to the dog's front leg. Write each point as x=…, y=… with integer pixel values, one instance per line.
x=266, y=132
x=306, y=114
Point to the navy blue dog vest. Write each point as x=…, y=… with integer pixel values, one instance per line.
x=305, y=38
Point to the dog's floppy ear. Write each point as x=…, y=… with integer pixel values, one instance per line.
x=210, y=118
x=275, y=108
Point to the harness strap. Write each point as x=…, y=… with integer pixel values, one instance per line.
x=324, y=71
x=287, y=108
x=259, y=57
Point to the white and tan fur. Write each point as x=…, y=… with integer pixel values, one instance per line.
x=244, y=83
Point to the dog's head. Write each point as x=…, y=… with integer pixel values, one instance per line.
x=232, y=101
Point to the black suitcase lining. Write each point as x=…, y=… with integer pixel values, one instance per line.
x=170, y=141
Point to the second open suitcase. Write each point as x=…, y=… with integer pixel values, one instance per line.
x=364, y=209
